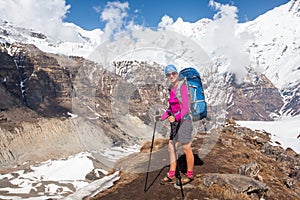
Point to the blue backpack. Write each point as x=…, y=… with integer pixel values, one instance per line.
x=198, y=107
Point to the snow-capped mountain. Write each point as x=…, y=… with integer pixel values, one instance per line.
x=276, y=47
x=276, y=50
x=85, y=43
x=268, y=45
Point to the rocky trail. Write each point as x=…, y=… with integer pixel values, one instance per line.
x=242, y=165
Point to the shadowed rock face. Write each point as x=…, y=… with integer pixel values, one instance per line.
x=292, y=95
x=240, y=166
x=257, y=99
x=36, y=79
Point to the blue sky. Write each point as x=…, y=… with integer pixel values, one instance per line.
x=86, y=14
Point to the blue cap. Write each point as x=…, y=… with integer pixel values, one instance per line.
x=170, y=68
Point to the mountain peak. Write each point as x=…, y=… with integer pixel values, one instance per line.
x=295, y=7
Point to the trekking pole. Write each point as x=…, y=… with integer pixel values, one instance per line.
x=151, y=147
x=177, y=172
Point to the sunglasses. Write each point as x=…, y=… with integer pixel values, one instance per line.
x=171, y=73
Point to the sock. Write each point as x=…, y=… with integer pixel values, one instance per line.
x=171, y=173
x=189, y=174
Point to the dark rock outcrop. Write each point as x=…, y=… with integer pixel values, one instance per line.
x=257, y=99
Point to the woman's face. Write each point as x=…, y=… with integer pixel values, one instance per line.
x=172, y=77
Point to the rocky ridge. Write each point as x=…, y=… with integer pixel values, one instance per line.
x=243, y=164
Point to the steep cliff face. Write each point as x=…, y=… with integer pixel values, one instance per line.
x=7, y=99
x=145, y=85
x=256, y=99
x=9, y=74
x=291, y=97
x=38, y=141
x=43, y=85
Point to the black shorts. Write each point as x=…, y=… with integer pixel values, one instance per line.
x=182, y=131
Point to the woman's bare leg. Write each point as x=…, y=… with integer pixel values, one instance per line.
x=187, y=149
x=172, y=156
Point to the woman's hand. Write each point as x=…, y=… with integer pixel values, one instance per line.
x=156, y=118
x=171, y=119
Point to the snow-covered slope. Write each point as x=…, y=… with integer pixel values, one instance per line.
x=276, y=46
x=275, y=49
x=87, y=40
x=287, y=137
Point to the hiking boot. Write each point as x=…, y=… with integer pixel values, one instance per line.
x=168, y=180
x=184, y=180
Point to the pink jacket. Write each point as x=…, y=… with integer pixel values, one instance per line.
x=177, y=109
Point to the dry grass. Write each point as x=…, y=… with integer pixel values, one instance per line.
x=157, y=144
x=226, y=192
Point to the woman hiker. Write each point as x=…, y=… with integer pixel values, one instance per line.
x=181, y=127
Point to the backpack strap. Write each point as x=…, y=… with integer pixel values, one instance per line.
x=178, y=93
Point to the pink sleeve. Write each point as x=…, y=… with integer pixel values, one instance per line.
x=184, y=107
x=164, y=116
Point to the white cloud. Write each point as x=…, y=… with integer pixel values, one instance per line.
x=114, y=15
x=42, y=16
x=47, y=16
x=165, y=21
x=222, y=40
